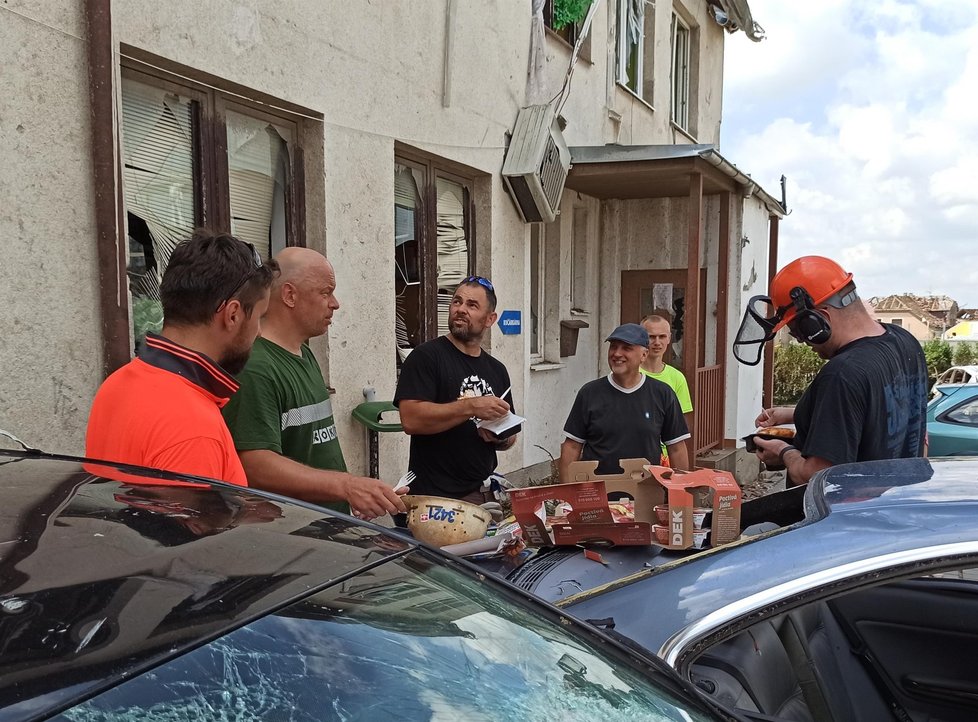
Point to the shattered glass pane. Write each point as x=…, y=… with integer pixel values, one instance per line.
x=409, y=639
x=258, y=174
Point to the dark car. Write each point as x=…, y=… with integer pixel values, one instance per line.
x=128, y=593
x=865, y=608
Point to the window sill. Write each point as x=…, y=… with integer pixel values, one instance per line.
x=545, y=366
x=562, y=42
x=634, y=96
x=682, y=131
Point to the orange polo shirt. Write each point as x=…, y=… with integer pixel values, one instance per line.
x=163, y=410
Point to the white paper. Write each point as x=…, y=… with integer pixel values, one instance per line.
x=662, y=297
x=498, y=426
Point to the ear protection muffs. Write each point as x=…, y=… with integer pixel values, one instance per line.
x=808, y=323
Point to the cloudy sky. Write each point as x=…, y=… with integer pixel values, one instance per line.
x=871, y=111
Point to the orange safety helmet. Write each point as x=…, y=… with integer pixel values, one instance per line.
x=820, y=277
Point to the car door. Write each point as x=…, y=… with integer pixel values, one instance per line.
x=955, y=430
x=921, y=635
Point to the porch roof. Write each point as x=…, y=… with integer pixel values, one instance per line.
x=658, y=171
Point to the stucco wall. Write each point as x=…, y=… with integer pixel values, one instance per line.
x=748, y=277
x=917, y=328
x=377, y=73
x=50, y=348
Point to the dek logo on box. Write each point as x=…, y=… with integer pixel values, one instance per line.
x=677, y=527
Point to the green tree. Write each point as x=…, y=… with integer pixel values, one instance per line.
x=795, y=365
x=939, y=358
x=965, y=353
x=567, y=12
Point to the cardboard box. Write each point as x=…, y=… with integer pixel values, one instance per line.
x=590, y=520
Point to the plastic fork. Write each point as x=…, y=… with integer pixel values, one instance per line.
x=405, y=480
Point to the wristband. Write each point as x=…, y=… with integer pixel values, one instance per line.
x=784, y=451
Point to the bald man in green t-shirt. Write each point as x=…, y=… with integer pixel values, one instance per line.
x=660, y=336
x=281, y=418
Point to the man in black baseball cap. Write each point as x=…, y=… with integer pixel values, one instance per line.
x=626, y=414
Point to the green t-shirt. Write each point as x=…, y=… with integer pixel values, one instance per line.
x=674, y=379
x=283, y=405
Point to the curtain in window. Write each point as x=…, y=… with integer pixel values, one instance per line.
x=636, y=20
x=157, y=181
x=258, y=172
x=453, y=246
x=632, y=50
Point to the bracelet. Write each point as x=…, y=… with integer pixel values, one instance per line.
x=784, y=451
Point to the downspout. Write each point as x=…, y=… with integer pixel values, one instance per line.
x=107, y=202
x=772, y=269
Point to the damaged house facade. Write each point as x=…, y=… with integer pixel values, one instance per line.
x=377, y=133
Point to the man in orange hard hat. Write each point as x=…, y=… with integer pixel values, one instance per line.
x=868, y=402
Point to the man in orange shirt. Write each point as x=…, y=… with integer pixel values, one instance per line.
x=163, y=409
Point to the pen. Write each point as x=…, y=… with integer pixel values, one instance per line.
x=503, y=394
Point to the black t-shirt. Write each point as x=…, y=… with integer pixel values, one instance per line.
x=455, y=462
x=868, y=402
x=615, y=423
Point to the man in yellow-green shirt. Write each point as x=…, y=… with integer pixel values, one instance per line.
x=660, y=336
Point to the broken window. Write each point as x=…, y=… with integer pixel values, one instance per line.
x=432, y=248
x=636, y=41
x=158, y=191
x=258, y=174
x=569, y=32
x=196, y=156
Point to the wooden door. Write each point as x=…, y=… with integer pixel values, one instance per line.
x=663, y=292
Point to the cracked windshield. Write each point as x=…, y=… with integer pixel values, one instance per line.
x=409, y=640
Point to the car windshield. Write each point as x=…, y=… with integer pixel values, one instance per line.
x=410, y=639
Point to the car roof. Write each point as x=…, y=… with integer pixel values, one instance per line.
x=187, y=562
x=854, y=513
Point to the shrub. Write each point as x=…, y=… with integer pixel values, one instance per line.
x=938, y=355
x=795, y=365
x=965, y=353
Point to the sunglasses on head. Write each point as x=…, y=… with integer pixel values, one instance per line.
x=256, y=259
x=481, y=281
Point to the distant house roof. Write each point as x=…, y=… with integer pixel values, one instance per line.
x=931, y=310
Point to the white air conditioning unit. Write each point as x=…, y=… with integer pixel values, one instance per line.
x=536, y=164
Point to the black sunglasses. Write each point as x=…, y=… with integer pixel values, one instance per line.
x=256, y=258
x=481, y=281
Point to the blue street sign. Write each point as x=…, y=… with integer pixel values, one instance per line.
x=511, y=322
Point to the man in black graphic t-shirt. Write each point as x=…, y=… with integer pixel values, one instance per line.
x=445, y=386
x=869, y=401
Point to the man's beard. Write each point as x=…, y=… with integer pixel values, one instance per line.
x=234, y=360
x=462, y=332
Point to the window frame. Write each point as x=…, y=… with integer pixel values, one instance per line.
x=434, y=168
x=569, y=34
x=209, y=95
x=680, y=86
x=212, y=197
x=537, y=288
x=645, y=80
